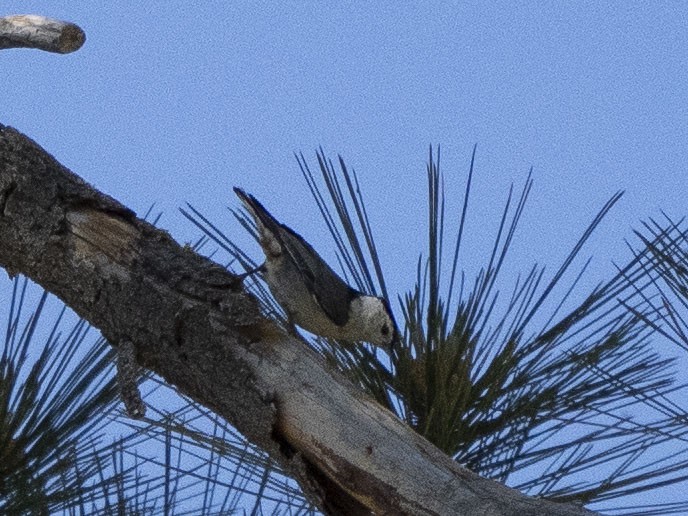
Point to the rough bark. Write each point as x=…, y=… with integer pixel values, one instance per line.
x=31, y=31
x=191, y=322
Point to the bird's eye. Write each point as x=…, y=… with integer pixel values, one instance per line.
x=385, y=329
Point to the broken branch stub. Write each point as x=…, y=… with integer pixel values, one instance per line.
x=32, y=31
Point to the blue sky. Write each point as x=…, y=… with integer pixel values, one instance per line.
x=171, y=102
x=174, y=102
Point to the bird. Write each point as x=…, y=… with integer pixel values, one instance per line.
x=313, y=295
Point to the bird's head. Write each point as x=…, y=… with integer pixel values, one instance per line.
x=377, y=322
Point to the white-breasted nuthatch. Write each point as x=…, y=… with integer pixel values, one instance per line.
x=310, y=292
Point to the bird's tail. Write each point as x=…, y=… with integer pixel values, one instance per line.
x=260, y=214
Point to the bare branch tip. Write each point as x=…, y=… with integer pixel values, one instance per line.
x=71, y=39
x=33, y=31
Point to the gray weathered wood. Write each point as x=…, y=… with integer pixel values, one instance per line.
x=32, y=31
x=191, y=322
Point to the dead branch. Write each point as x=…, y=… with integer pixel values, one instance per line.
x=31, y=31
x=192, y=323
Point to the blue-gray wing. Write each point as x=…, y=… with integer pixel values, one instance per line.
x=331, y=293
x=329, y=290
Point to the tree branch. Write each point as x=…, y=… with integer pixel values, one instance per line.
x=191, y=322
x=31, y=31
